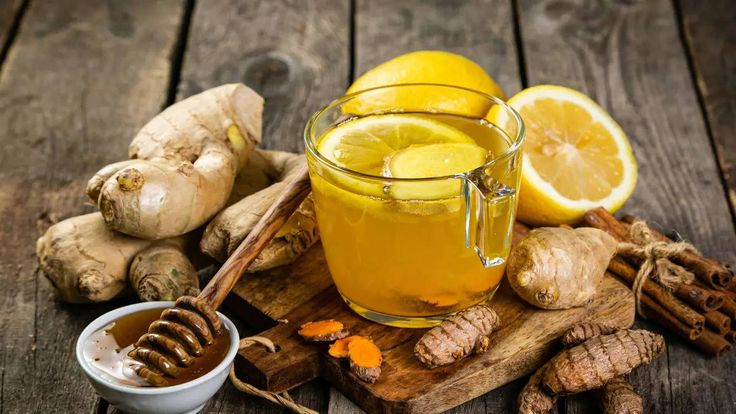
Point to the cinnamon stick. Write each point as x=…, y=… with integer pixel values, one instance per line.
x=679, y=309
x=710, y=271
x=655, y=312
x=729, y=308
x=702, y=299
x=717, y=322
x=730, y=336
x=712, y=344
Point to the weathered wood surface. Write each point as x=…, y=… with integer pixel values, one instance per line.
x=527, y=337
x=81, y=76
x=77, y=83
x=709, y=29
x=628, y=56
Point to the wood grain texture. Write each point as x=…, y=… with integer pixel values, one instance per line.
x=528, y=337
x=710, y=34
x=77, y=83
x=628, y=56
x=481, y=30
x=294, y=53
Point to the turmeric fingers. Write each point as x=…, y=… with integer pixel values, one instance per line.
x=465, y=333
x=594, y=360
x=600, y=359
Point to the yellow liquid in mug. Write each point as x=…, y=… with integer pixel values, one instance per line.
x=407, y=258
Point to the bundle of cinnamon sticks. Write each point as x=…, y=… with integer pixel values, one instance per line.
x=702, y=312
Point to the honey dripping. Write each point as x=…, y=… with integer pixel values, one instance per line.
x=107, y=350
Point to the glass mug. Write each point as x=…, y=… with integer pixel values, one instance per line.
x=408, y=252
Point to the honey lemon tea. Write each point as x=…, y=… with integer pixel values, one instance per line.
x=415, y=208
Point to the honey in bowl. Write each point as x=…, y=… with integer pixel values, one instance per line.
x=106, y=350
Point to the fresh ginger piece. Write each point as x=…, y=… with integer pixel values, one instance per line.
x=163, y=272
x=84, y=260
x=600, y=359
x=560, y=268
x=183, y=164
x=584, y=331
x=323, y=331
x=225, y=232
x=365, y=359
x=339, y=349
x=455, y=338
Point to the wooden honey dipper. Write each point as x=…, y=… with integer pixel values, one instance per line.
x=183, y=332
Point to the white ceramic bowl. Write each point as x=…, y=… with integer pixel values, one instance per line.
x=189, y=397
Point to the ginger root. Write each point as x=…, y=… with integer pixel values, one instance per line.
x=598, y=360
x=86, y=261
x=365, y=359
x=225, y=232
x=559, y=268
x=183, y=164
x=163, y=272
x=323, y=331
x=462, y=334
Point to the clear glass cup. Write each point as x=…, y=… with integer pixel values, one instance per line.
x=410, y=252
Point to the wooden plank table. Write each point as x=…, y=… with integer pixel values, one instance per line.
x=79, y=77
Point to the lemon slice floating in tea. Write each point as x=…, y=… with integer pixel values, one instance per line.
x=576, y=157
x=403, y=146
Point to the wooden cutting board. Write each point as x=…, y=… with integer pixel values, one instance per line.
x=279, y=302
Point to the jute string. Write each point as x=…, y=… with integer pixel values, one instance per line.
x=282, y=398
x=655, y=257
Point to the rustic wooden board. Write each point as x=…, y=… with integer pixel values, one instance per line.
x=527, y=338
x=629, y=57
x=709, y=29
x=77, y=83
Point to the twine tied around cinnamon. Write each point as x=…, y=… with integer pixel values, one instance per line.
x=655, y=260
x=281, y=398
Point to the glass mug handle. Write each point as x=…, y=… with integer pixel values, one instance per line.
x=489, y=217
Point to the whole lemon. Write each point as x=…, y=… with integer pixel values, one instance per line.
x=424, y=66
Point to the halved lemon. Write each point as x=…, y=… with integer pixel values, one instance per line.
x=401, y=146
x=576, y=157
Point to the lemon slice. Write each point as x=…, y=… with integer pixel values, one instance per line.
x=436, y=160
x=576, y=157
x=433, y=160
x=404, y=146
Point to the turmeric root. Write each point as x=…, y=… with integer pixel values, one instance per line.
x=232, y=225
x=339, y=349
x=533, y=399
x=618, y=397
x=183, y=164
x=86, y=261
x=559, y=268
x=323, y=331
x=584, y=331
x=462, y=334
x=163, y=272
x=600, y=359
x=365, y=359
